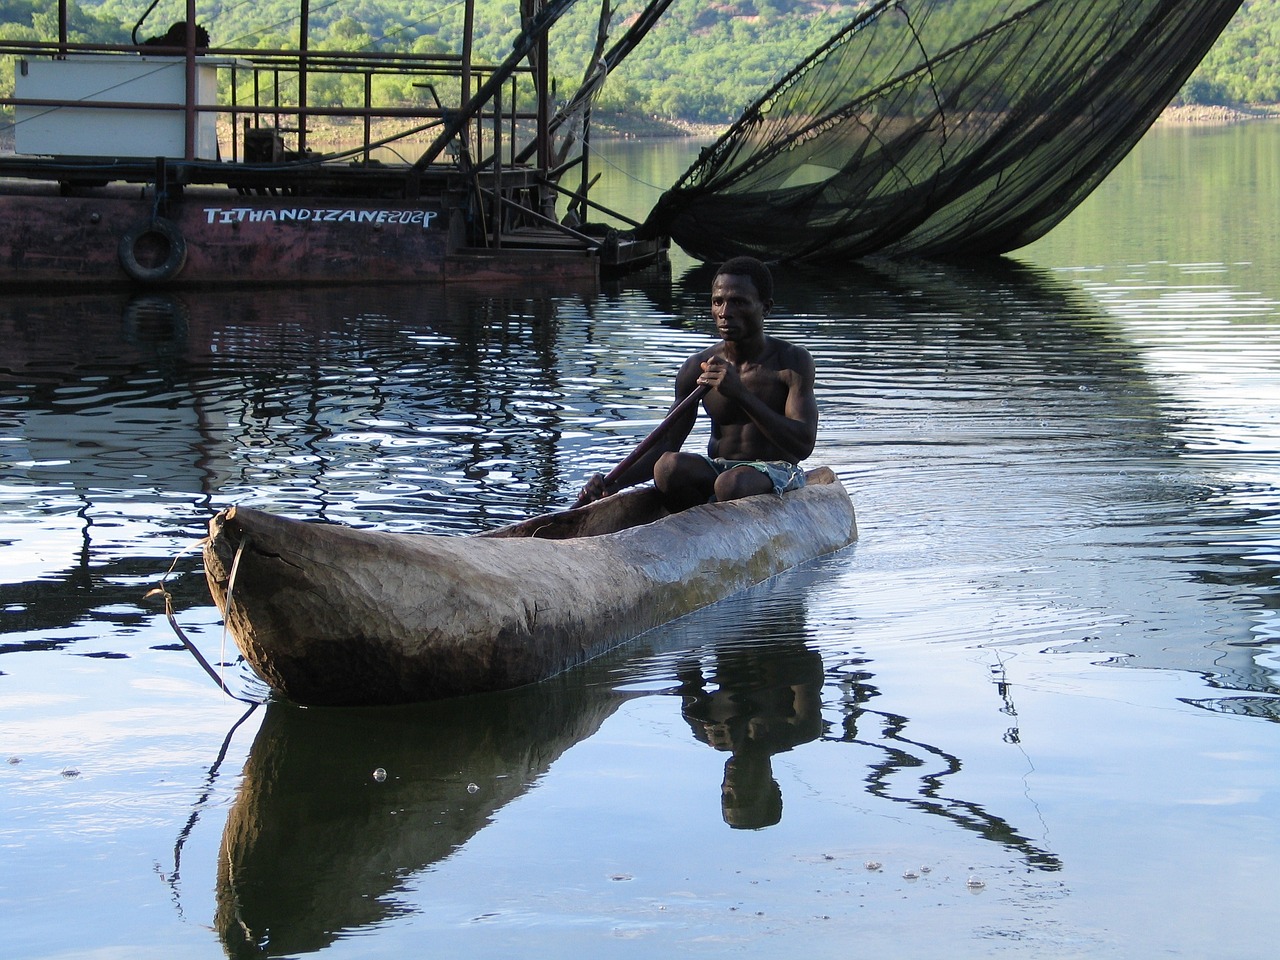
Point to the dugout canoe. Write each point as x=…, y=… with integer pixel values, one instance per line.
x=328, y=614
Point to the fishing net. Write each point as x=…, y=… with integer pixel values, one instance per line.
x=939, y=128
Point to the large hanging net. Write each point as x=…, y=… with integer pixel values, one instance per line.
x=939, y=128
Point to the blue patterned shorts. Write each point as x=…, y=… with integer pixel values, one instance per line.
x=785, y=476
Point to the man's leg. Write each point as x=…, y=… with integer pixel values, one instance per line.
x=742, y=482
x=684, y=480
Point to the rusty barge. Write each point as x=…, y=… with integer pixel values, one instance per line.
x=175, y=162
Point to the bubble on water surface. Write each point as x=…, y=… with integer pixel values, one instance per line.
x=379, y=775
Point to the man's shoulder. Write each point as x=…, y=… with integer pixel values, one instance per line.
x=789, y=353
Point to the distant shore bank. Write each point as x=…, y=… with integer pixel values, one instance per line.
x=644, y=128
x=329, y=136
x=1211, y=113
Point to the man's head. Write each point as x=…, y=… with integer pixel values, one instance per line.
x=741, y=297
x=753, y=268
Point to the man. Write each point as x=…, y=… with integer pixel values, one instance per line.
x=764, y=416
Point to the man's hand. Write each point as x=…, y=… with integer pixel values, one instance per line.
x=719, y=374
x=592, y=490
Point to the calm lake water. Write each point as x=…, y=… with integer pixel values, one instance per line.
x=1032, y=712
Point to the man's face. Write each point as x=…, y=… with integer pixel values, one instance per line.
x=737, y=308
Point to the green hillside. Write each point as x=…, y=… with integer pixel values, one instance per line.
x=1244, y=65
x=704, y=63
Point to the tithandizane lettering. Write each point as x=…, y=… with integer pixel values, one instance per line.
x=423, y=218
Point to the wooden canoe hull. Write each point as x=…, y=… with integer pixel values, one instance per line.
x=332, y=615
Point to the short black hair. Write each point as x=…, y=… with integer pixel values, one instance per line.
x=749, y=267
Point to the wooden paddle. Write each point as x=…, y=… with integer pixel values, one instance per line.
x=648, y=442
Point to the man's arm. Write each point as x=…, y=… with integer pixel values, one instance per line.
x=672, y=439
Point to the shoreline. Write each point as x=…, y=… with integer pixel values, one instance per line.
x=660, y=128
x=1195, y=113
x=1180, y=115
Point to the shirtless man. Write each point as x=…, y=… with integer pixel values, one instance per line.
x=764, y=416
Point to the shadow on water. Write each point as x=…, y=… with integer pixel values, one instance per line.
x=753, y=702
x=339, y=809
x=761, y=688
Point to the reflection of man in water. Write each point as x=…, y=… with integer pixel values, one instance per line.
x=754, y=704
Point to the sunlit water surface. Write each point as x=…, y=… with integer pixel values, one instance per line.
x=1032, y=712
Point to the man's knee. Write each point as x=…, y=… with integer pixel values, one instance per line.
x=742, y=482
x=683, y=479
x=665, y=468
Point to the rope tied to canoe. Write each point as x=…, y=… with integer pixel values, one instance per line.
x=162, y=591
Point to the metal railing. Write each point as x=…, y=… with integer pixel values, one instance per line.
x=260, y=89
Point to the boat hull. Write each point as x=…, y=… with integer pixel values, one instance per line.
x=111, y=237
x=327, y=614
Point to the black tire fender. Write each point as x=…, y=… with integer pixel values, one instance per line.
x=167, y=234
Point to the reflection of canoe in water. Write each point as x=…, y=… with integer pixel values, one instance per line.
x=332, y=615
x=316, y=846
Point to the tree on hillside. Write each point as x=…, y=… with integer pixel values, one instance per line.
x=703, y=62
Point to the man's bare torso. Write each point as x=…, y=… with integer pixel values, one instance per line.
x=771, y=377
